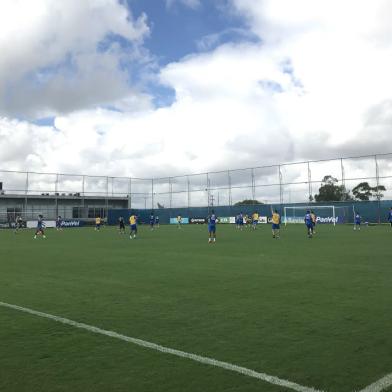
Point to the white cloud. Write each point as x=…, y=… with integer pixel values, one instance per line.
x=49, y=58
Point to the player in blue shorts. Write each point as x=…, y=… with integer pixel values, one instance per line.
x=390, y=216
x=309, y=223
x=59, y=222
x=212, y=219
x=275, y=224
x=152, y=221
x=240, y=221
x=133, y=226
x=40, y=227
x=357, y=221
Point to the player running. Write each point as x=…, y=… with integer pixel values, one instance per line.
x=240, y=221
x=390, y=216
x=98, y=222
x=59, y=222
x=255, y=220
x=314, y=220
x=275, y=224
x=152, y=221
x=18, y=224
x=121, y=225
x=212, y=219
x=40, y=227
x=309, y=224
x=133, y=226
x=357, y=221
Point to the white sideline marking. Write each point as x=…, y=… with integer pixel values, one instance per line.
x=198, y=358
x=379, y=385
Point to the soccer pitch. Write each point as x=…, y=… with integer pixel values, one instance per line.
x=315, y=312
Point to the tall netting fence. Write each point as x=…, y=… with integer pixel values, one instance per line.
x=284, y=184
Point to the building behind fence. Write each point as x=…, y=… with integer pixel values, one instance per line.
x=84, y=196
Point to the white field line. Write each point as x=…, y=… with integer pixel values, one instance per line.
x=194, y=357
x=380, y=385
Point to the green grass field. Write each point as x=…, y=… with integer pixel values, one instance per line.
x=313, y=311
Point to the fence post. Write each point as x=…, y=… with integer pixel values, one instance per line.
x=152, y=194
x=280, y=187
x=342, y=170
x=26, y=193
x=310, y=198
x=229, y=182
x=253, y=184
x=378, y=190
x=130, y=194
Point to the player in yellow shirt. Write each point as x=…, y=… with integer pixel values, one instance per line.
x=275, y=224
x=255, y=220
x=314, y=221
x=133, y=226
x=98, y=222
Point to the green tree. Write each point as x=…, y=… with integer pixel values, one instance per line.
x=363, y=191
x=330, y=191
x=247, y=202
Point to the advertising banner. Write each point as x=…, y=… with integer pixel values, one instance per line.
x=47, y=224
x=263, y=219
x=184, y=221
x=226, y=219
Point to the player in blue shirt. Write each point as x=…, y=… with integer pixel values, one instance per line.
x=309, y=223
x=240, y=221
x=152, y=221
x=40, y=227
x=357, y=221
x=59, y=222
x=390, y=216
x=212, y=219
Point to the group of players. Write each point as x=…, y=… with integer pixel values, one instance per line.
x=310, y=220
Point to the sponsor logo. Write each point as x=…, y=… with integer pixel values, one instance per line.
x=197, y=221
x=71, y=223
x=263, y=219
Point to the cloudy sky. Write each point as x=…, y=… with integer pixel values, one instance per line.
x=163, y=87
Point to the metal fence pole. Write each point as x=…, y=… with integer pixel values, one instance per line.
x=280, y=187
x=378, y=190
x=170, y=195
x=26, y=192
x=107, y=196
x=342, y=173
x=310, y=198
x=208, y=193
x=253, y=184
x=189, y=191
x=229, y=183
x=130, y=194
x=152, y=194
